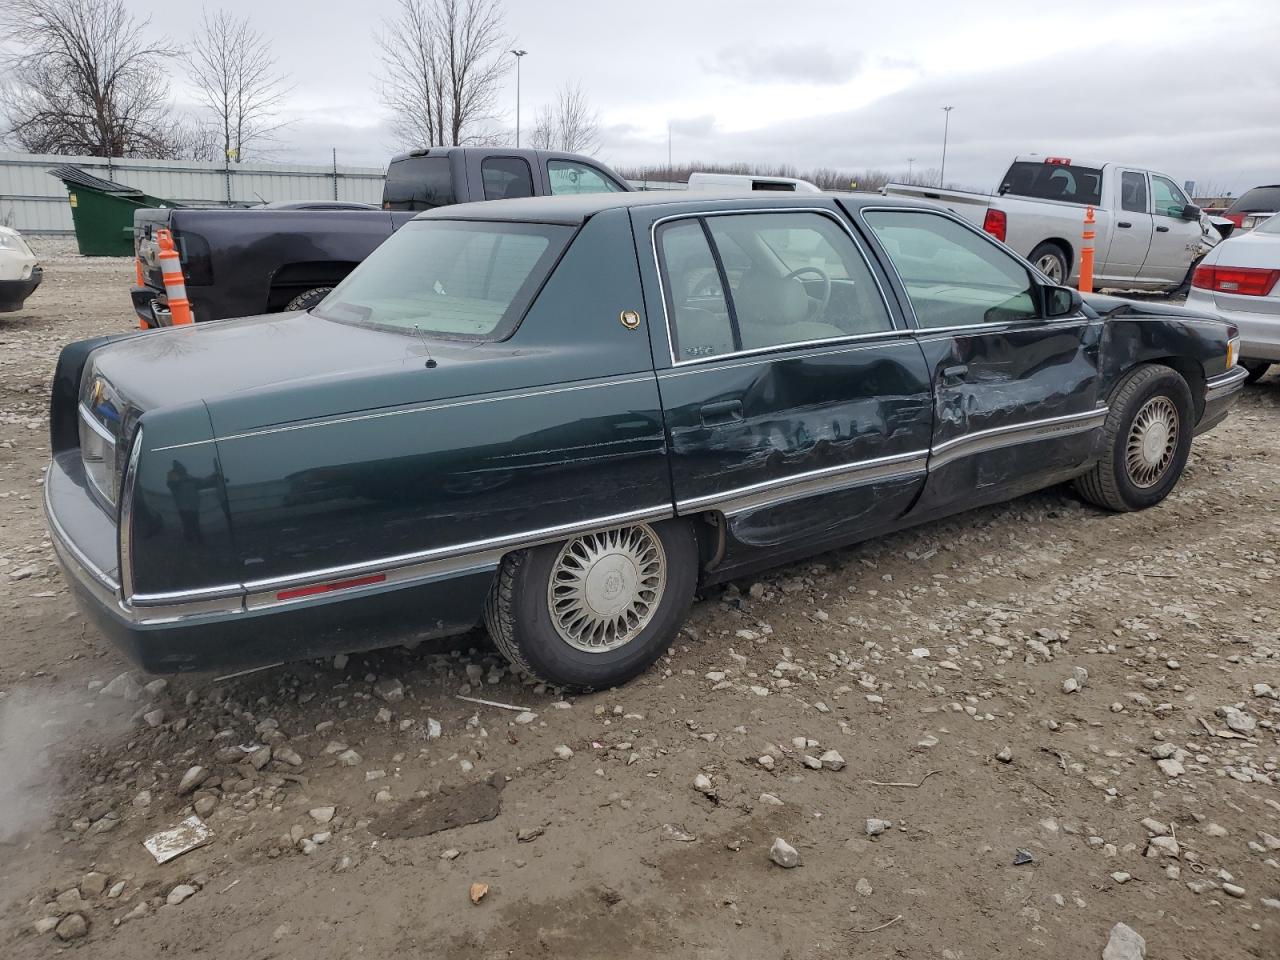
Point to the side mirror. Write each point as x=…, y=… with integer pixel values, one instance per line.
x=1061, y=302
x=1190, y=212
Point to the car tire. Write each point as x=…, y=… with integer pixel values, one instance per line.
x=547, y=643
x=1257, y=369
x=308, y=299
x=1051, y=260
x=1147, y=437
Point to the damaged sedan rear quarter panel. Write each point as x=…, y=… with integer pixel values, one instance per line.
x=305, y=483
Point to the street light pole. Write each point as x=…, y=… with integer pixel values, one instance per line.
x=910, y=163
x=946, y=126
x=519, y=55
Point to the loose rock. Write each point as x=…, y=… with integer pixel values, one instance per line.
x=784, y=854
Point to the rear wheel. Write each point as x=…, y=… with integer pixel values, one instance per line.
x=1148, y=438
x=596, y=610
x=1051, y=260
x=1257, y=369
x=308, y=299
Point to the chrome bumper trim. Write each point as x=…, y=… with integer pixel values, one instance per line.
x=1225, y=384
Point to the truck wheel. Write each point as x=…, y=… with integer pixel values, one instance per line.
x=1050, y=260
x=309, y=299
x=1257, y=369
x=596, y=610
x=1147, y=439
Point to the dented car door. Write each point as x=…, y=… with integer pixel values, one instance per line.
x=796, y=403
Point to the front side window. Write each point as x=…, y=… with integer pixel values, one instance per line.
x=449, y=278
x=1166, y=199
x=1133, y=192
x=793, y=278
x=953, y=275
x=566, y=176
x=506, y=178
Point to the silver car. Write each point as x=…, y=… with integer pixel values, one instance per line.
x=1240, y=280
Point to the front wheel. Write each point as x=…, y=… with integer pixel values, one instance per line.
x=596, y=610
x=1050, y=260
x=1257, y=369
x=1148, y=438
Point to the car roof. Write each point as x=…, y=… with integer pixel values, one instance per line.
x=574, y=209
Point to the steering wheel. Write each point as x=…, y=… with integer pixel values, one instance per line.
x=817, y=305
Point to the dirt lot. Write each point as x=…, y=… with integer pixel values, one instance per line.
x=933, y=662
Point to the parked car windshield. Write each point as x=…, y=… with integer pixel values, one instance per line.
x=1054, y=181
x=449, y=278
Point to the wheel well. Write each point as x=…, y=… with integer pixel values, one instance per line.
x=1191, y=372
x=294, y=278
x=1064, y=246
x=711, y=530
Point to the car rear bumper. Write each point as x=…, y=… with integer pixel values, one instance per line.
x=14, y=293
x=1220, y=395
x=1259, y=329
x=215, y=629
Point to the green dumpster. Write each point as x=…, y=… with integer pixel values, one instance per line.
x=103, y=211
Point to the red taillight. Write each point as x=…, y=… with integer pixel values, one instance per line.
x=1058, y=161
x=320, y=588
x=1236, y=218
x=1242, y=281
x=996, y=224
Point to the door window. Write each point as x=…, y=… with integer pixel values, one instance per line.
x=566, y=176
x=506, y=177
x=954, y=276
x=1133, y=192
x=1167, y=199
x=700, y=319
x=793, y=278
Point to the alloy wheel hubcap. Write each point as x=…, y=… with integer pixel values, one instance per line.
x=1051, y=267
x=1153, y=439
x=606, y=587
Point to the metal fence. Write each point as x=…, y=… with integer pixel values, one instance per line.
x=35, y=202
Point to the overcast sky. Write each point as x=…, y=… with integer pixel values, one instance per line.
x=1191, y=88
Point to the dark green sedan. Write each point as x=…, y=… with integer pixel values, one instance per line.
x=562, y=416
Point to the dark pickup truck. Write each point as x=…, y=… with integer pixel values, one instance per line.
x=240, y=263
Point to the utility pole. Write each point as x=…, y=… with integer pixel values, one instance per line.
x=519, y=55
x=910, y=163
x=946, y=126
x=668, y=148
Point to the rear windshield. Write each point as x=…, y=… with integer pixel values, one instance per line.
x=1054, y=181
x=1270, y=225
x=1257, y=200
x=449, y=278
x=418, y=183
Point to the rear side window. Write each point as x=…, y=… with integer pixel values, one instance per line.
x=449, y=278
x=1133, y=192
x=506, y=178
x=1257, y=200
x=566, y=176
x=1054, y=181
x=418, y=183
x=954, y=276
x=793, y=278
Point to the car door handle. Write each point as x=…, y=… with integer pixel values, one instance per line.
x=955, y=374
x=1162, y=229
x=1124, y=224
x=723, y=411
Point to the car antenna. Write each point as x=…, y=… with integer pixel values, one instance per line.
x=431, y=363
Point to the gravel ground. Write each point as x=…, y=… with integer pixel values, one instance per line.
x=895, y=713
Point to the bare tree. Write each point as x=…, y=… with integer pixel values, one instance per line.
x=569, y=124
x=84, y=78
x=236, y=79
x=443, y=62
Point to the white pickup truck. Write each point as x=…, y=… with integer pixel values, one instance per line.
x=1149, y=235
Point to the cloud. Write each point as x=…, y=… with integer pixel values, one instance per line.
x=697, y=128
x=805, y=63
